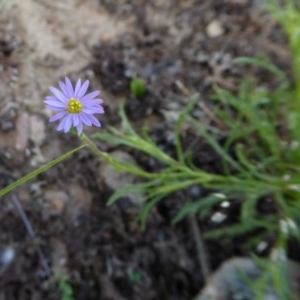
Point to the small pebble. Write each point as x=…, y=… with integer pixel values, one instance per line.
x=37, y=130
x=56, y=200
x=218, y=217
x=220, y=195
x=225, y=204
x=195, y=191
x=262, y=246
x=7, y=255
x=214, y=29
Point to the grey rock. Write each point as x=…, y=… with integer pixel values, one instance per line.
x=56, y=200
x=79, y=204
x=37, y=129
x=229, y=282
x=23, y=129
x=116, y=180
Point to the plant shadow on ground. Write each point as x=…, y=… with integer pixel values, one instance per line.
x=100, y=249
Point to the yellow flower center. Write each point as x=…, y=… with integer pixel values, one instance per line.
x=74, y=106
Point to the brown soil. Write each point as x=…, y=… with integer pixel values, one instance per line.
x=179, y=47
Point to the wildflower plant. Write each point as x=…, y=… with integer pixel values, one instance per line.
x=261, y=126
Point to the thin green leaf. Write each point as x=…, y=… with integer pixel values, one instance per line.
x=38, y=171
x=130, y=189
x=212, y=141
x=145, y=211
x=182, y=117
x=263, y=63
x=194, y=207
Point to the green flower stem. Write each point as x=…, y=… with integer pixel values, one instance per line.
x=38, y=171
x=86, y=140
x=120, y=166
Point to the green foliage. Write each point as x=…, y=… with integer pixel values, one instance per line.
x=248, y=181
x=134, y=276
x=65, y=288
x=138, y=87
x=201, y=206
x=6, y=4
x=176, y=175
x=289, y=18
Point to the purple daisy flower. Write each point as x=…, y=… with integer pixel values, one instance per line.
x=73, y=107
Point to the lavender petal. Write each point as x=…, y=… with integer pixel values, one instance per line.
x=58, y=94
x=90, y=96
x=83, y=89
x=77, y=88
x=57, y=116
x=69, y=87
